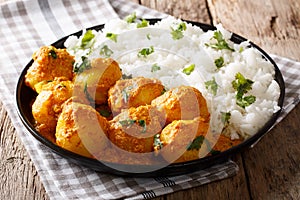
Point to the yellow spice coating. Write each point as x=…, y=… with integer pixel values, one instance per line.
x=47, y=105
x=133, y=93
x=97, y=80
x=184, y=102
x=48, y=63
x=81, y=129
x=133, y=129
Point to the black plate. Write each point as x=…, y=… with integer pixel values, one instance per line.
x=25, y=96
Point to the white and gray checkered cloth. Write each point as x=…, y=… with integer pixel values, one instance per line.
x=29, y=24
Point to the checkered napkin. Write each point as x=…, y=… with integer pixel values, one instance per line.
x=29, y=24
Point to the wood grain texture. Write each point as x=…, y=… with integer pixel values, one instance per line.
x=18, y=176
x=271, y=170
x=194, y=10
x=273, y=166
x=271, y=24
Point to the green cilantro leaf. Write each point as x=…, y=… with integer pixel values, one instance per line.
x=126, y=93
x=125, y=76
x=221, y=42
x=148, y=36
x=196, y=143
x=143, y=23
x=245, y=101
x=53, y=54
x=157, y=143
x=155, y=68
x=142, y=123
x=242, y=86
x=146, y=51
x=225, y=117
x=127, y=122
x=131, y=18
x=212, y=86
x=106, y=51
x=214, y=152
x=83, y=65
x=105, y=113
x=219, y=62
x=178, y=32
x=112, y=36
x=188, y=70
x=87, y=37
x=87, y=94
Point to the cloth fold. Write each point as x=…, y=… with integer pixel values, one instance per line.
x=29, y=24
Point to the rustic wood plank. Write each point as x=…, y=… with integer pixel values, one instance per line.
x=194, y=10
x=273, y=166
x=271, y=24
x=230, y=188
x=18, y=177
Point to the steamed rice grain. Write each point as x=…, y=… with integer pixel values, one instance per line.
x=172, y=56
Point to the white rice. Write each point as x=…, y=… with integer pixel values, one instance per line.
x=174, y=55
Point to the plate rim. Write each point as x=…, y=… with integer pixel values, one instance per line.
x=173, y=168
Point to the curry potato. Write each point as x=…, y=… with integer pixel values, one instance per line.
x=48, y=63
x=133, y=92
x=81, y=129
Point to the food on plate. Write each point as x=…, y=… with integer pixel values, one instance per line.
x=184, y=140
x=81, y=129
x=179, y=93
x=183, y=102
x=94, y=78
x=133, y=92
x=47, y=105
x=48, y=63
x=134, y=128
x=222, y=143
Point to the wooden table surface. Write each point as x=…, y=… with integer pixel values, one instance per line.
x=270, y=170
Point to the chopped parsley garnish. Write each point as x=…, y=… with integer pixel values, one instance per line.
x=130, y=18
x=146, y=51
x=148, y=36
x=157, y=142
x=130, y=122
x=196, y=143
x=125, y=93
x=125, y=96
x=214, y=152
x=142, y=123
x=83, y=65
x=88, y=96
x=53, y=54
x=105, y=113
x=143, y=23
x=188, y=70
x=178, y=32
x=125, y=76
x=212, y=86
x=155, y=68
x=245, y=101
x=127, y=122
x=106, y=51
x=112, y=36
x=221, y=42
x=241, y=49
x=87, y=37
x=225, y=117
x=219, y=62
x=242, y=86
